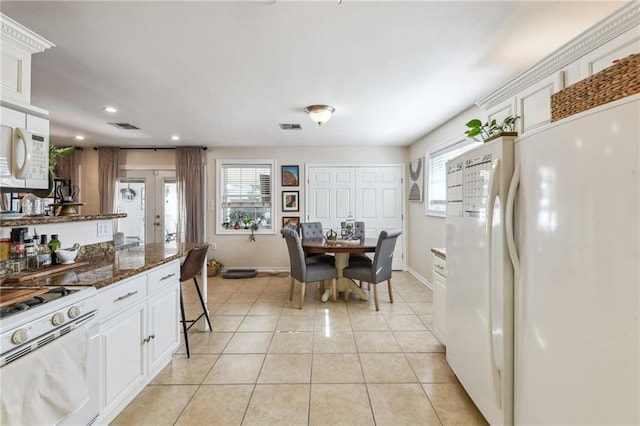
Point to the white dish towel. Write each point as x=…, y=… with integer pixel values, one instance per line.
x=48, y=384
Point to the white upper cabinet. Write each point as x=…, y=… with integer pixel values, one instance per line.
x=528, y=95
x=17, y=44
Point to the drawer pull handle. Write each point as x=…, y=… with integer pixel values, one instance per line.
x=133, y=293
x=166, y=277
x=439, y=267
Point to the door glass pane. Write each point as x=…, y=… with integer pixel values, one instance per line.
x=170, y=192
x=131, y=199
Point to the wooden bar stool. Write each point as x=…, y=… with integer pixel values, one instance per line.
x=191, y=267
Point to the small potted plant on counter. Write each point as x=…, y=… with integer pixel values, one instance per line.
x=492, y=130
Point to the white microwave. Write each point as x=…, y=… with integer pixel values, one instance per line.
x=24, y=150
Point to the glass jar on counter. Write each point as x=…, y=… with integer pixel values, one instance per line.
x=32, y=205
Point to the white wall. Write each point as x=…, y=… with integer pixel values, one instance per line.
x=269, y=252
x=425, y=231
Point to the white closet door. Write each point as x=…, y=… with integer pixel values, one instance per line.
x=378, y=198
x=372, y=193
x=330, y=195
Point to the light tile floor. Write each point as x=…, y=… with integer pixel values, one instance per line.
x=268, y=363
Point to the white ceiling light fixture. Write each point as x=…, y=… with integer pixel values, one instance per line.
x=319, y=114
x=79, y=137
x=175, y=138
x=110, y=109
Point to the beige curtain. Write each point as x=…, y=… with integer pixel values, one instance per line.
x=108, y=159
x=69, y=167
x=190, y=180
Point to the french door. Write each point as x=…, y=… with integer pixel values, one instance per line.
x=373, y=194
x=150, y=200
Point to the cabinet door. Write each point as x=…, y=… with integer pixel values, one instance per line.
x=439, y=306
x=164, y=326
x=123, y=355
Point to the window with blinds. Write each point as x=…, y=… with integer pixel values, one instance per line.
x=436, y=204
x=245, y=195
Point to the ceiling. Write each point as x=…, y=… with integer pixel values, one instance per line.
x=227, y=73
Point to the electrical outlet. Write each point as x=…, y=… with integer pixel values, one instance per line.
x=211, y=205
x=213, y=246
x=103, y=229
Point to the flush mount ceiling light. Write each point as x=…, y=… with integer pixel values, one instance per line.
x=110, y=109
x=175, y=138
x=319, y=114
x=79, y=137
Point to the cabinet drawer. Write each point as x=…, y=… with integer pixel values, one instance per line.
x=164, y=275
x=439, y=265
x=117, y=297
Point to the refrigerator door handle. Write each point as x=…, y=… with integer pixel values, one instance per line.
x=493, y=189
x=510, y=226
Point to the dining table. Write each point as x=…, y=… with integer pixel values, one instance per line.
x=341, y=248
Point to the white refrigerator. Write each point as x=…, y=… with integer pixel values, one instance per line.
x=543, y=288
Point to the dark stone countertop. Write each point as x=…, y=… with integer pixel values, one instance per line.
x=114, y=267
x=39, y=220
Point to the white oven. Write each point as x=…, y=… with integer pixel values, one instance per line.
x=24, y=150
x=38, y=335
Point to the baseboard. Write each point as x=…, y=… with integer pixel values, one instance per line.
x=420, y=278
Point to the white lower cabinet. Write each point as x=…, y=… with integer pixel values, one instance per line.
x=122, y=354
x=138, y=339
x=163, y=327
x=439, y=329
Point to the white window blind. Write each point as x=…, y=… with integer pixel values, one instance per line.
x=436, y=204
x=245, y=194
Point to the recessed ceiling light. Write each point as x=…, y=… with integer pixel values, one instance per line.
x=79, y=137
x=110, y=109
x=175, y=138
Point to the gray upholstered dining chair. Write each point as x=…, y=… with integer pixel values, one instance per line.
x=314, y=230
x=306, y=272
x=357, y=258
x=380, y=269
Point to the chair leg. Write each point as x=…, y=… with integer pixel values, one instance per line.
x=321, y=286
x=302, y=289
x=375, y=296
x=291, y=289
x=390, y=292
x=184, y=323
x=345, y=283
x=333, y=290
x=204, y=306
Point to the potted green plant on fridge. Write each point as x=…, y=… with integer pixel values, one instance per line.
x=490, y=130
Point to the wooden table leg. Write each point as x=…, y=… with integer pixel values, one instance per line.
x=342, y=261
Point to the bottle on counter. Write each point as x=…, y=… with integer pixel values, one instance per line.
x=16, y=249
x=54, y=244
x=44, y=254
x=31, y=255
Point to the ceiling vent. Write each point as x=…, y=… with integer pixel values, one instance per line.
x=286, y=126
x=124, y=126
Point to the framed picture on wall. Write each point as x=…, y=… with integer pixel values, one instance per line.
x=290, y=176
x=290, y=201
x=290, y=222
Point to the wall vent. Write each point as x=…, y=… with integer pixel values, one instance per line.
x=289, y=126
x=124, y=126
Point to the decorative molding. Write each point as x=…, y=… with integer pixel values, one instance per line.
x=626, y=18
x=12, y=31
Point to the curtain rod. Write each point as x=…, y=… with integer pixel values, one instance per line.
x=95, y=148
